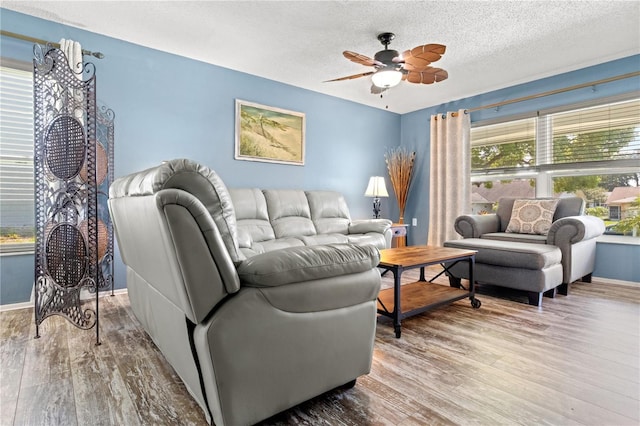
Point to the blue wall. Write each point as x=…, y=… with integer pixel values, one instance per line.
x=415, y=134
x=618, y=261
x=16, y=278
x=168, y=106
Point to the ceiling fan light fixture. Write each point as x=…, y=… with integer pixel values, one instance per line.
x=386, y=77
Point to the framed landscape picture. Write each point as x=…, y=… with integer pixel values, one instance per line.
x=265, y=133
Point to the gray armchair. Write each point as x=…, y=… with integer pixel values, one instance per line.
x=533, y=268
x=249, y=336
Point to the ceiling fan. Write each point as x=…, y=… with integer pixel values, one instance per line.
x=391, y=67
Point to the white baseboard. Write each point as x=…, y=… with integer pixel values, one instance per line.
x=83, y=296
x=14, y=306
x=617, y=282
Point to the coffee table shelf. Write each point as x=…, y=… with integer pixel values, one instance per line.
x=403, y=301
x=422, y=296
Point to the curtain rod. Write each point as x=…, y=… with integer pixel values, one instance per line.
x=555, y=92
x=44, y=42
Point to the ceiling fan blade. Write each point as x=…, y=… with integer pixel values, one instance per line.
x=421, y=56
x=360, y=59
x=417, y=66
x=427, y=76
x=350, y=77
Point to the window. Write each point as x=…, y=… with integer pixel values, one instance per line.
x=614, y=212
x=16, y=158
x=509, y=145
x=486, y=194
x=588, y=151
x=601, y=133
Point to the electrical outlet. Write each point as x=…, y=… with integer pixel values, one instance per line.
x=414, y=222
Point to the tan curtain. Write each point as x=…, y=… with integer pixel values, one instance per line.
x=450, y=174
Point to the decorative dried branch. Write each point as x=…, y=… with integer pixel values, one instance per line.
x=400, y=166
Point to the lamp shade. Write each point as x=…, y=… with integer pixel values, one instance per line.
x=376, y=187
x=386, y=77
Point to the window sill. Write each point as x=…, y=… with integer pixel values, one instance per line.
x=618, y=239
x=17, y=249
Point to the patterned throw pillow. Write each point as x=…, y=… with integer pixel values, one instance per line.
x=532, y=216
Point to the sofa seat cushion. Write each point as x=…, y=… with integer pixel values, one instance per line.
x=314, y=240
x=324, y=294
x=510, y=254
x=299, y=264
x=277, y=244
x=518, y=238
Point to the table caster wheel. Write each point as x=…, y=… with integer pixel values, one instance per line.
x=475, y=303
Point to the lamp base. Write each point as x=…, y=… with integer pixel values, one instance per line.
x=376, y=208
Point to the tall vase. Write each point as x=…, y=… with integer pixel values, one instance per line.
x=400, y=166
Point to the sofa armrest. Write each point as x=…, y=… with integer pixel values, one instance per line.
x=572, y=229
x=473, y=226
x=307, y=263
x=369, y=225
x=171, y=242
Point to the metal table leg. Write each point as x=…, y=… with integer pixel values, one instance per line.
x=397, y=311
x=475, y=303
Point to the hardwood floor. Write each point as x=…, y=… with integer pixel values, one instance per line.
x=575, y=360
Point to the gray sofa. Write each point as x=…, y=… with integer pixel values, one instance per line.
x=538, y=264
x=276, y=218
x=256, y=313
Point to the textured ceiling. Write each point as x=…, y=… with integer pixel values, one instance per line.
x=490, y=44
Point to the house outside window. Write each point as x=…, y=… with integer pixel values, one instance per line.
x=17, y=227
x=587, y=150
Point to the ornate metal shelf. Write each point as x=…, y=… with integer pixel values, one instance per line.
x=73, y=158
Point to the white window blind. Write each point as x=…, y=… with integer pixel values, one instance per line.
x=16, y=158
x=505, y=145
x=601, y=133
x=600, y=137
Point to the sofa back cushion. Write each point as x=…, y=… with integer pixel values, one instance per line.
x=289, y=212
x=252, y=216
x=568, y=206
x=329, y=212
x=196, y=179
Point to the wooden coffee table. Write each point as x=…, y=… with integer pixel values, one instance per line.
x=403, y=301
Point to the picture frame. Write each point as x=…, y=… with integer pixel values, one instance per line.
x=269, y=134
